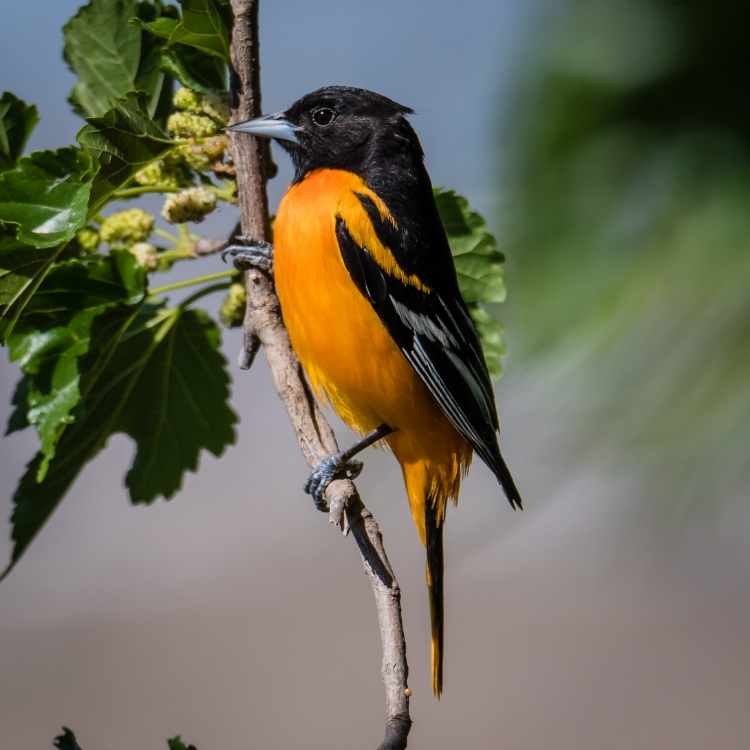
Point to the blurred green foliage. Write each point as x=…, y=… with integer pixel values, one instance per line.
x=629, y=230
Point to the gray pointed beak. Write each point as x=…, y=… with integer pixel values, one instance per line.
x=269, y=126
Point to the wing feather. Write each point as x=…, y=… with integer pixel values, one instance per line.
x=435, y=333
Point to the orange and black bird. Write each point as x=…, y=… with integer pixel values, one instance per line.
x=369, y=296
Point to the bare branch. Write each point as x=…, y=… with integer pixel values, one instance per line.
x=263, y=324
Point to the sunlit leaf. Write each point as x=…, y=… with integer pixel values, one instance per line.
x=104, y=51
x=46, y=196
x=43, y=202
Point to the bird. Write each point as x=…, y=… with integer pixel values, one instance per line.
x=370, y=299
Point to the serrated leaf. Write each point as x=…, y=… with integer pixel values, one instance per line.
x=55, y=335
x=202, y=26
x=46, y=196
x=479, y=263
x=66, y=741
x=17, y=120
x=124, y=139
x=479, y=268
x=104, y=51
x=155, y=374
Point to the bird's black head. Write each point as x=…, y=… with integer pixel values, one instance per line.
x=339, y=127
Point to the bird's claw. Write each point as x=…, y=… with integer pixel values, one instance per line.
x=333, y=467
x=253, y=254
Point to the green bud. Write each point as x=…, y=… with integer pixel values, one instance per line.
x=185, y=98
x=232, y=309
x=190, y=125
x=88, y=240
x=200, y=156
x=151, y=174
x=124, y=228
x=192, y=204
x=193, y=155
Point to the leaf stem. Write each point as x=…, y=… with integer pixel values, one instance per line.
x=204, y=292
x=192, y=282
x=165, y=235
x=143, y=189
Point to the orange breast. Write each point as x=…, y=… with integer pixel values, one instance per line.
x=346, y=351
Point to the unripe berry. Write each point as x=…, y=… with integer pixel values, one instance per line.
x=146, y=255
x=192, y=204
x=124, y=228
x=190, y=125
x=232, y=309
x=88, y=240
x=185, y=98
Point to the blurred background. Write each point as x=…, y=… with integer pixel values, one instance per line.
x=608, y=144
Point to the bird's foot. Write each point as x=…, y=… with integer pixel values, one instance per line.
x=333, y=467
x=252, y=254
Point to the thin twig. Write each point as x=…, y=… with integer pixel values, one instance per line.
x=263, y=324
x=205, y=246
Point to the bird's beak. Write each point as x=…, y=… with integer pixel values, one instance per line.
x=269, y=126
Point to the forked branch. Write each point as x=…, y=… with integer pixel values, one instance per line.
x=263, y=325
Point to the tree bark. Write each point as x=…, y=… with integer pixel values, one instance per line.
x=263, y=326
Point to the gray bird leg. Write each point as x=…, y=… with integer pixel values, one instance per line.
x=340, y=466
x=252, y=254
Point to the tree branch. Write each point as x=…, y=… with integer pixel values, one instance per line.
x=263, y=325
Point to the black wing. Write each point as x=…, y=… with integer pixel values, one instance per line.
x=434, y=331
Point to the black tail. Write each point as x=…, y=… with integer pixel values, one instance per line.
x=434, y=544
x=502, y=472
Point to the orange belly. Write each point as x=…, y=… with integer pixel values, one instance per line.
x=348, y=355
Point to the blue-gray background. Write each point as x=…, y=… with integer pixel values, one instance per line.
x=235, y=616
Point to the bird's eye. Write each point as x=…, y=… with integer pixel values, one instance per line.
x=323, y=116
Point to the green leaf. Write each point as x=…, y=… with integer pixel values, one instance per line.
x=66, y=741
x=18, y=265
x=490, y=333
x=17, y=420
x=194, y=69
x=81, y=284
x=155, y=374
x=176, y=743
x=104, y=51
x=479, y=268
x=55, y=335
x=44, y=202
x=124, y=139
x=22, y=269
x=46, y=196
x=203, y=25
x=17, y=120
x=479, y=263
x=152, y=77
